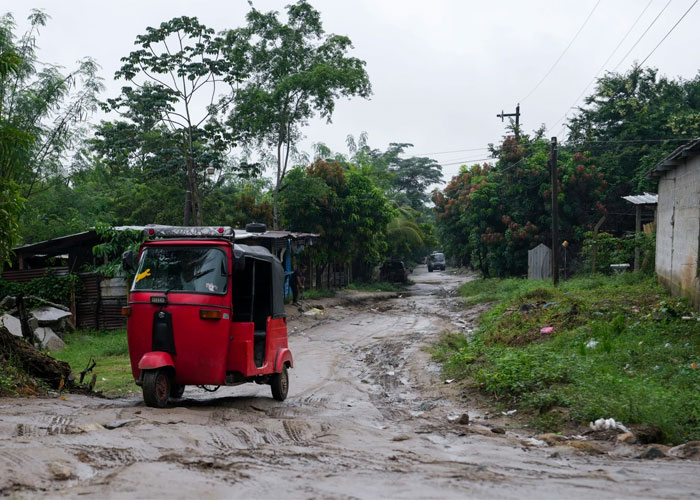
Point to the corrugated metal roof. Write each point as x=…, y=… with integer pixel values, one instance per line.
x=690, y=148
x=60, y=245
x=642, y=199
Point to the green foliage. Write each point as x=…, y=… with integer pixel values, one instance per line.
x=490, y=216
x=612, y=250
x=409, y=236
x=11, y=207
x=494, y=289
x=623, y=121
x=295, y=72
x=166, y=131
x=114, y=243
x=41, y=109
x=50, y=287
x=623, y=352
x=404, y=181
x=349, y=212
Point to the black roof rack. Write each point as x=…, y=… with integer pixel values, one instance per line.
x=218, y=232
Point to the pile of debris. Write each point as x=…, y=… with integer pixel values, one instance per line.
x=34, y=363
x=26, y=334
x=43, y=326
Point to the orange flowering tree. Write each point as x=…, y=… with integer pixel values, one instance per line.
x=489, y=216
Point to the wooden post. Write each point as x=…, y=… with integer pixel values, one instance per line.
x=595, y=242
x=27, y=331
x=555, y=213
x=637, y=230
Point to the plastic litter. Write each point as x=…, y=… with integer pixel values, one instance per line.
x=509, y=412
x=592, y=343
x=314, y=311
x=534, y=442
x=547, y=329
x=667, y=345
x=604, y=424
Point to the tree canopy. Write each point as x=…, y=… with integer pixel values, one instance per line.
x=295, y=71
x=41, y=110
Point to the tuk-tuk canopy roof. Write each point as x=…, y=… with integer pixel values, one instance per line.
x=277, y=273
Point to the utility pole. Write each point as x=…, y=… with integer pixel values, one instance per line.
x=555, y=212
x=503, y=115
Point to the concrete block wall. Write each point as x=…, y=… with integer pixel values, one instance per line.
x=678, y=230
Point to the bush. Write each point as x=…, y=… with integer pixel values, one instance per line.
x=612, y=250
x=49, y=287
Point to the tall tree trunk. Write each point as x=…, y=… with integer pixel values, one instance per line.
x=276, y=194
x=193, y=205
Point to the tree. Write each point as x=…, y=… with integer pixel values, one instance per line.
x=40, y=112
x=489, y=216
x=349, y=212
x=295, y=72
x=175, y=64
x=405, y=182
x=411, y=176
x=409, y=235
x=632, y=121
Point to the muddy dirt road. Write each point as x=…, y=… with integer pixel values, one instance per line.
x=367, y=416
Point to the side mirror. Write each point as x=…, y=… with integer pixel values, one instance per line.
x=128, y=263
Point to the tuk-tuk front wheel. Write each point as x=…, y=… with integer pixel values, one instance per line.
x=280, y=384
x=156, y=387
x=176, y=390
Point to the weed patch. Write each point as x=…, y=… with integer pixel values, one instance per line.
x=618, y=348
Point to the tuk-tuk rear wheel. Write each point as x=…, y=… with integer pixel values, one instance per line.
x=279, y=382
x=156, y=387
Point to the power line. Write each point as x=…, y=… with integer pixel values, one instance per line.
x=669, y=32
x=468, y=160
x=448, y=152
x=642, y=35
x=563, y=117
x=563, y=53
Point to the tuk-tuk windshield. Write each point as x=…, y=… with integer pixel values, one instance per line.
x=182, y=269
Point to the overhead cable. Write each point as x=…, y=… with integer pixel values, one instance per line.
x=669, y=32
x=563, y=117
x=642, y=35
x=562, y=54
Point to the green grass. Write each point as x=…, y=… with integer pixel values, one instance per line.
x=109, y=349
x=380, y=286
x=641, y=371
x=317, y=293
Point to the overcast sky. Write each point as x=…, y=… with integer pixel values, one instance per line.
x=440, y=70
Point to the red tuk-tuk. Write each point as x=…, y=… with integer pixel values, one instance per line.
x=205, y=311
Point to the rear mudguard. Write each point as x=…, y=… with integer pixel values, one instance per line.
x=156, y=359
x=283, y=356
